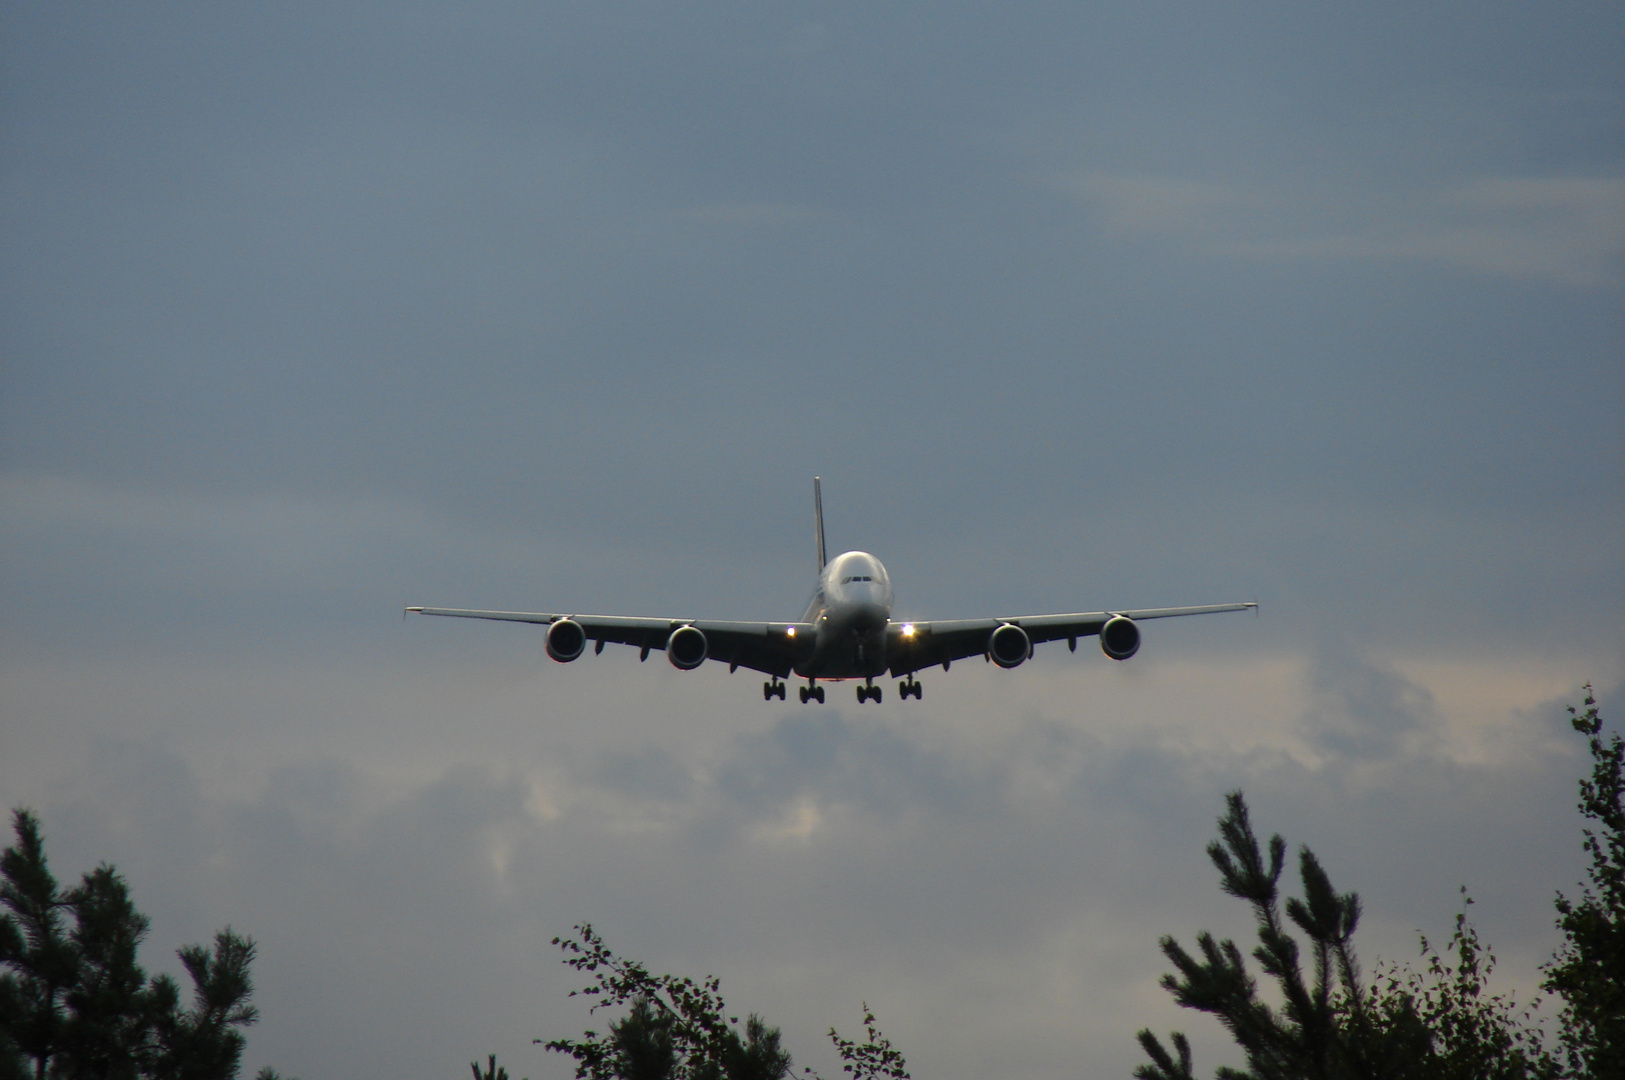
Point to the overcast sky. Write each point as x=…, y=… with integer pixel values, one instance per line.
x=309, y=311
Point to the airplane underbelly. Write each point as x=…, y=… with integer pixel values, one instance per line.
x=847, y=656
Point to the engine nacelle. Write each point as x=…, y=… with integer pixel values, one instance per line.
x=565, y=640
x=1119, y=638
x=1009, y=646
x=687, y=648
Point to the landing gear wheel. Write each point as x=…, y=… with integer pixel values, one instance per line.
x=804, y=695
x=919, y=692
x=863, y=694
x=874, y=692
x=767, y=691
x=818, y=692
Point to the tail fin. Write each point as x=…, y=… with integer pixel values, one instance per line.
x=818, y=522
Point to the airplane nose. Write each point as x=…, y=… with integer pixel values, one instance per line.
x=869, y=615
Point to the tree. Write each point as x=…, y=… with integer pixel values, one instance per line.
x=1472, y=1034
x=76, y=1004
x=109, y=1007
x=43, y=962
x=1589, y=968
x=1299, y=1040
x=872, y=1059
x=492, y=1071
x=204, y=1042
x=1329, y=1025
x=678, y=1029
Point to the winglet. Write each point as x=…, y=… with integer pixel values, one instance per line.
x=818, y=521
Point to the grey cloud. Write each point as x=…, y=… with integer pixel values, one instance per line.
x=1567, y=230
x=834, y=759
x=445, y=887
x=1361, y=708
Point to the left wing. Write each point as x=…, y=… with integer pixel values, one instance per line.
x=771, y=648
x=913, y=646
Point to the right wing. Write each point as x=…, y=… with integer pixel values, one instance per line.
x=771, y=648
x=920, y=645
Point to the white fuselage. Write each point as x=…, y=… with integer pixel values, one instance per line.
x=850, y=611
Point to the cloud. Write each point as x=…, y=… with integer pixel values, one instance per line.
x=1361, y=708
x=822, y=860
x=1565, y=230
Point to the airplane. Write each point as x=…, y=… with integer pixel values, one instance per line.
x=847, y=633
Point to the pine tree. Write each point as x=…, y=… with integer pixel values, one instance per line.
x=34, y=946
x=1439, y=1024
x=76, y=1004
x=204, y=1042
x=109, y=1007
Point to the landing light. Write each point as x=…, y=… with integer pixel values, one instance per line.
x=908, y=630
x=790, y=631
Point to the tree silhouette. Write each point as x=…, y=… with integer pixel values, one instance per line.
x=678, y=1029
x=76, y=1004
x=1589, y=969
x=1440, y=1024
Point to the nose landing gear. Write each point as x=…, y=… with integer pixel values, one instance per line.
x=910, y=686
x=772, y=689
x=810, y=693
x=869, y=693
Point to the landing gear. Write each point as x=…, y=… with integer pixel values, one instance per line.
x=869, y=693
x=810, y=693
x=911, y=686
x=772, y=689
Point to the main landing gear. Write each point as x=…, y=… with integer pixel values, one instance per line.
x=774, y=689
x=904, y=689
x=869, y=693
x=811, y=693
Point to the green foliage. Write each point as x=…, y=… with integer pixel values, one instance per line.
x=75, y=1003
x=872, y=1059
x=109, y=1007
x=678, y=1029
x=1300, y=1039
x=1440, y=1024
x=492, y=1070
x=1589, y=968
x=37, y=951
x=203, y=1042
x=1471, y=1034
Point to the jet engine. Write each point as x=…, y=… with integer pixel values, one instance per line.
x=1009, y=645
x=565, y=640
x=1119, y=638
x=687, y=648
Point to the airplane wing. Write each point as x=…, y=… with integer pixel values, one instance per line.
x=771, y=648
x=920, y=645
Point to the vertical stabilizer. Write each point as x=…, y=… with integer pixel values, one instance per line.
x=818, y=522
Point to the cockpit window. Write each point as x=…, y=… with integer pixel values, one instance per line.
x=856, y=577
